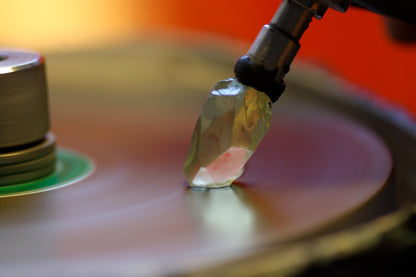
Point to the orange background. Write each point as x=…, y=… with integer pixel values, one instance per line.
x=353, y=45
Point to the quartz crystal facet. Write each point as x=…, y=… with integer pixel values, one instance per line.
x=234, y=120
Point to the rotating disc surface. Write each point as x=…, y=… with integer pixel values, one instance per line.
x=136, y=213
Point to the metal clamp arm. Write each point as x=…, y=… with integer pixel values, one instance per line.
x=277, y=44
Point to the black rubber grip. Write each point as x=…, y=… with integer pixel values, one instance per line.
x=251, y=74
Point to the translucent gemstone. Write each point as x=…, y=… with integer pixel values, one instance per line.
x=234, y=120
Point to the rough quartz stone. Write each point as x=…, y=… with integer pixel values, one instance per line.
x=234, y=120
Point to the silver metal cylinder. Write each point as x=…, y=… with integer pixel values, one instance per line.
x=277, y=44
x=27, y=148
x=23, y=98
x=273, y=48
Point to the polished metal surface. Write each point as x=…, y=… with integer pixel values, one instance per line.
x=24, y=110
x=136, y=216
x=25, y=164
x=278, y=42
x=20, y=156
x=13, y=60
x=26, y=150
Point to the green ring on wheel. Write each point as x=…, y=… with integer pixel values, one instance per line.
x=71, y=167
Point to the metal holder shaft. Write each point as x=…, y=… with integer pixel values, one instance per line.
x=277, y=44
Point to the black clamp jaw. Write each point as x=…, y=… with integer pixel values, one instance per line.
x=271, y=54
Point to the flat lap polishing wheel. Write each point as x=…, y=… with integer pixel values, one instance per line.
x=27, y=148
